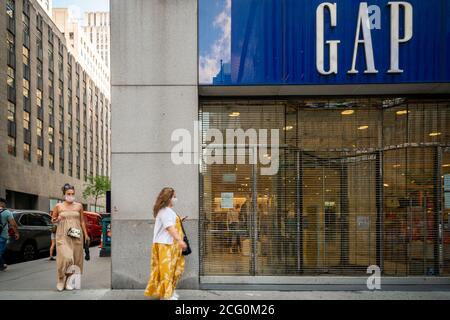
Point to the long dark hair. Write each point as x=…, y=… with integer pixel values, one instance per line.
x=163, y=200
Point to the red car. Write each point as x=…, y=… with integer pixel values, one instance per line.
x=94, y=226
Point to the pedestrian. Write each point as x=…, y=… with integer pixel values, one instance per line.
x=233, y=226
x=70, y=236
x=52, y=239
x=167, y=263
x=6, y=219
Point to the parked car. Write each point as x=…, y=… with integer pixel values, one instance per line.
x=35, y=230
x=94, y=226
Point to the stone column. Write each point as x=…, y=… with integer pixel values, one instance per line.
x=154, y=92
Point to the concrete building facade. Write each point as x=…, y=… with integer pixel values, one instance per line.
x=364, y=157
x=55, y=126
x=154, y=91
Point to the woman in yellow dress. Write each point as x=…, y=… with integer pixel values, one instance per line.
x=167, y=262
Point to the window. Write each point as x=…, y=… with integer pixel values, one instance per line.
x=47, y=219
x=50, y=108
x=26, y=152
x=50, y=78
x=11, y=111
x=11, y=77
x=51, y=161
x=39, y=68
x=26, y=88
x=39, y=128
x=40, y=157
x=26, y=56
x=50, y=134
x=11, y=47
x=10, y=8
x=39, y=98
x=12, y=146
x=61, y=155
x=26, y=120
x=35, y=220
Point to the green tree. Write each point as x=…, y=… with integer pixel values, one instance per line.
x=97, y=187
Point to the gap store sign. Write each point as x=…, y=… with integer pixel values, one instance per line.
x=275, y=42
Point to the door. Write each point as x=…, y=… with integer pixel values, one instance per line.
x=250, y=220
x=445, y=191
x=410, y=239
x=227, y=207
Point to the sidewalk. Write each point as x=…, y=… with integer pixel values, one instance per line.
x=36, y=280
x=106, y=294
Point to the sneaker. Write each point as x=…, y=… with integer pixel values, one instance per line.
x=176, y=295
x=173, y=297
x=4, y=267
x=51, y=259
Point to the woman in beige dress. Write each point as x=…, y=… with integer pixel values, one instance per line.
x=70, y=237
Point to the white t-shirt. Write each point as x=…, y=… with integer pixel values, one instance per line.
x=165, y=218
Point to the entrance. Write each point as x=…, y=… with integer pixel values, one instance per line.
x=313, y=217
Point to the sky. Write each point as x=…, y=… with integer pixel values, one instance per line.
x=214, y=30
x=78, y=7
x=214, y=37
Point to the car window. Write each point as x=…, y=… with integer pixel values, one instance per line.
x=47, y=219
x=24, y=219
x=35, y=219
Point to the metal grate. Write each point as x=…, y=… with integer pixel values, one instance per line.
x=360, y=182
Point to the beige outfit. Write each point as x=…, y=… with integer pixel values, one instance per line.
x=69, y=251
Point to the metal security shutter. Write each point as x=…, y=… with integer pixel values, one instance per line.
x=361, y=182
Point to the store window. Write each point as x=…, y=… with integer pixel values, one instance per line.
x=359, y=183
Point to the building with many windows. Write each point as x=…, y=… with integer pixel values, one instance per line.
x=56, y=120
x=97, y=30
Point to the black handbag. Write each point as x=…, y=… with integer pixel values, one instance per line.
x=188, y=250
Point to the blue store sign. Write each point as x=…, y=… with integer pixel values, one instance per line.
x=277, y=42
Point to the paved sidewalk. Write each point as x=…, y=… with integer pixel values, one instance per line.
x=37, y=280
x=41, y=274
x=105, y=294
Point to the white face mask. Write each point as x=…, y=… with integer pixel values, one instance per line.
x=174, y=201
x=69, y=199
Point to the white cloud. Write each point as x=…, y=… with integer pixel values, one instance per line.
x=220, y=49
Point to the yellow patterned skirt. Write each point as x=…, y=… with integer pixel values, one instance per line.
x=167, y=266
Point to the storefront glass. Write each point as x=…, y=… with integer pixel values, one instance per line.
x=360, y=182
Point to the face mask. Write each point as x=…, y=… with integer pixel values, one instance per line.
x=69, y=199
x=174, y=201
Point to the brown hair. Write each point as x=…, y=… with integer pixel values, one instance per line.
x=67, y=187
x=163, y=200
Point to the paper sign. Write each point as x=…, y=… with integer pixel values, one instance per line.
x=229, y=177
x=226, y=200
x=447, y=182
x=363, y=222
x=447, y=200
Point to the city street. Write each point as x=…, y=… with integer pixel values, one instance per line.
x=40, y=275
x=36, y=280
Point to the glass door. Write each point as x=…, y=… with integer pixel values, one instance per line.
x=445, y=165
x=228, y=216
x=410, y=229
